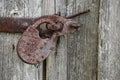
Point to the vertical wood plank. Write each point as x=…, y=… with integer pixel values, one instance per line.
x=11, y=67
x=109, y=40
x=82, y=45
x=57, y=61
x=76, y=55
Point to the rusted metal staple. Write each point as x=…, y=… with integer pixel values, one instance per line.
x=78, y=14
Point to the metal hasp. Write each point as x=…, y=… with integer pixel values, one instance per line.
x=19, y=25
x=35, y=44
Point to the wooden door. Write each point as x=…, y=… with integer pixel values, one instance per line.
x=91, y=53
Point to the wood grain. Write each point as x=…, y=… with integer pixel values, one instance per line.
x=109, y=40
x=11, y=67
x=91, y=53
x=82, y=45
x=76, y=56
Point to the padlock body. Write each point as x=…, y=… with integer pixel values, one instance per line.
x=32, y=48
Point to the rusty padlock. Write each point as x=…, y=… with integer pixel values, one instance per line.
x=31, y=47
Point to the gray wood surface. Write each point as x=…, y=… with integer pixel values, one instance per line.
x=57, y=62
x=76, y=56
x=109, y=40
x=11, y=67
x=91, y=53
x=82, y=45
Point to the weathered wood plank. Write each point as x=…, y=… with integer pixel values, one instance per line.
x=76, y=56
x=82, y=45
x=109, y=40
x=11, y=67
x=57, y=61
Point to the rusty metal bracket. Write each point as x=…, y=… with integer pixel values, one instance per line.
x=19, y=25
x=36, y=44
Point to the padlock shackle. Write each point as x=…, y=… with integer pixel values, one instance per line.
x=43, y=20
x=50, y=19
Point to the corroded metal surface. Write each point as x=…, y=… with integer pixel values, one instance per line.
x=36, y=44
x=8, y=24
x=19, y=25
x=32, y=48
